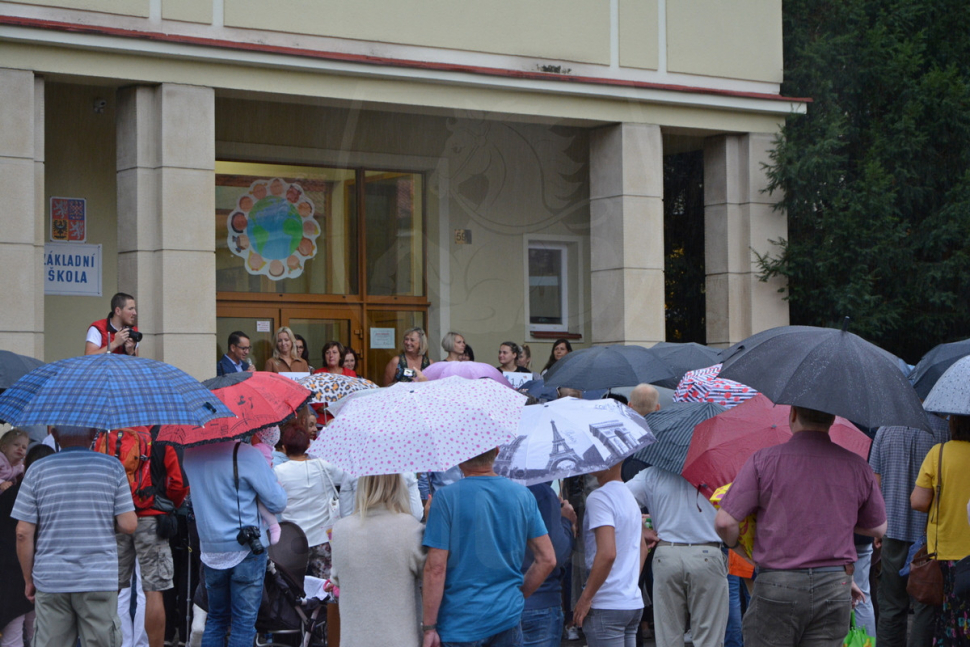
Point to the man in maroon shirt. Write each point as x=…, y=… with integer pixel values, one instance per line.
x=809, y=495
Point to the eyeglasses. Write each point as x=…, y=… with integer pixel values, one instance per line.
x=244, y=349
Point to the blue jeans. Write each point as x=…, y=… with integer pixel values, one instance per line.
x=865, y=615
x=737, y=591
x=611, y=627
x=542, y=627
x=234, y=597
x=508, y=638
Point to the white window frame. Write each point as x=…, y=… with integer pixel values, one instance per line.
x=535, y=242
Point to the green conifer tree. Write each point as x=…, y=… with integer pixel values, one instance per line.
x=875, y=179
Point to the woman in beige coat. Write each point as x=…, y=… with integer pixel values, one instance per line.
x=377, y=563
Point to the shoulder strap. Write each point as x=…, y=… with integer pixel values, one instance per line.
x=235, y=480
x=939, y=489
x=326, y=473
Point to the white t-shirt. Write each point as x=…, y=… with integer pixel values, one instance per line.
x=680, y=514
x=613, y=505
x=94, y=336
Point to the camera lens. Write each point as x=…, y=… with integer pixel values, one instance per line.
x=135, y=336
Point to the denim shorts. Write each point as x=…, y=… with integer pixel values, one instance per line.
x=611, y=627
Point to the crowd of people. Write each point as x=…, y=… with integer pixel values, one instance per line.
x=469, y=558
x=291, y=354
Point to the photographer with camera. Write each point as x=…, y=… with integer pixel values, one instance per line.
x=226, y=479
x=117, y=333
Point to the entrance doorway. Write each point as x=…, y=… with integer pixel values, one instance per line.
x=316, y=324
x=335, y=254
x=352, y=325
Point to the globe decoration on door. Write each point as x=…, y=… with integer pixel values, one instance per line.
x=273, y=229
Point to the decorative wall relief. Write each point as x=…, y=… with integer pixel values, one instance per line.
x=273, y=229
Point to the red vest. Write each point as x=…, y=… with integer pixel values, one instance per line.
x=102, y=326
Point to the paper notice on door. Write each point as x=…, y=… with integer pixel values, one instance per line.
x=382, y=338
x=264, y=325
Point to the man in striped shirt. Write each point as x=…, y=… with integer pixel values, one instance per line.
x=68, y=509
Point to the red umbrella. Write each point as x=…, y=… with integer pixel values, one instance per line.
x=258, y=399
x=722, y=444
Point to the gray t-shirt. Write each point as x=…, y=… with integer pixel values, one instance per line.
x=73, y=498
x=680, y=514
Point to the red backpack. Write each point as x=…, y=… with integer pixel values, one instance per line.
x=133, y=447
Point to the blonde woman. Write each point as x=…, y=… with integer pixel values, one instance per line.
x=407, y=366
x=285, y=358
x=377, y=563
x=454, y=345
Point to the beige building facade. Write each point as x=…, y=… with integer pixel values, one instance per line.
x=352, y=169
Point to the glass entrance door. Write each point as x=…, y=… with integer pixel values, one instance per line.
x=317, y=325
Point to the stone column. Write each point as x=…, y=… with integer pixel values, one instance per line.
x=22, y=212
x=740, y=222
x=626, y=234
x=166, y=206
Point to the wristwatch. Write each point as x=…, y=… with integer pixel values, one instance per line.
x=426, y=628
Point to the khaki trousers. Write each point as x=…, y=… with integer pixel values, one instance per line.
x=690, y=579
x=63, y=617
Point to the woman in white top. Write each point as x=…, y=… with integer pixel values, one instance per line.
x=377, y=563
x=311, y=494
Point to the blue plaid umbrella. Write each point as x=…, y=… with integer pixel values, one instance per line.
x=109, y=391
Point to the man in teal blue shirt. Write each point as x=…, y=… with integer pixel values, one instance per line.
x=477, y=532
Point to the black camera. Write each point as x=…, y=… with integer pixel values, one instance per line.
x=134, y=336
x=250, y=536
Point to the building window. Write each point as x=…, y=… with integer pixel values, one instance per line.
x=548, y=286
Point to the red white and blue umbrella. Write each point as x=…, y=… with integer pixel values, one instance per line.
x=704, y=385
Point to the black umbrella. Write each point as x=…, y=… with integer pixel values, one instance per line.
x=758, y=338
x=935, y=363
x=14, y=366
x=828, y=370
x=681, y=358
x=674, y=427
x=605, y=367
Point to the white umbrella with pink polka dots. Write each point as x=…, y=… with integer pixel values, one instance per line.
x=420, y=426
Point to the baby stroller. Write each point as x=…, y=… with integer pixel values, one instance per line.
x=286, y=616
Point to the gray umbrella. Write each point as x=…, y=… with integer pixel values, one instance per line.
x=828, y=370
x=606, y=367
x=951, y=394
x=681, y=358
x=14, y=366
x=934, y=363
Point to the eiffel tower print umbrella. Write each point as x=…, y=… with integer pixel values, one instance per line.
x=569, y=437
